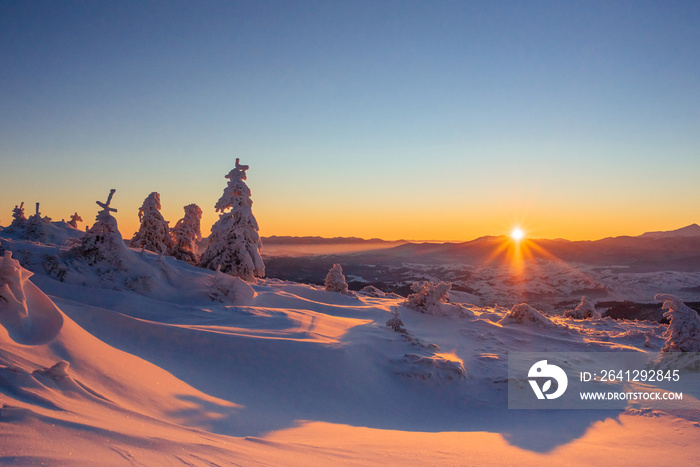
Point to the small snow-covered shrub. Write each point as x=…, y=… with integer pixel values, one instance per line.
x=683, y=333
x=525, y=314
x=583, y=310
x=395, y=322
x=335, y=280
x=433, y=299
x=18, y=217
x=35, y=227
x=54, y=267
x=372, y=291
x=428, y=296
x=430, y=368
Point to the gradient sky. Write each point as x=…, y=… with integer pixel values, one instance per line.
x=422, y=120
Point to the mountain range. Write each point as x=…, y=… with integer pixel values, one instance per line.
x=677, y=250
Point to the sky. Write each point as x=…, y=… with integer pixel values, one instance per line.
x=439, y=120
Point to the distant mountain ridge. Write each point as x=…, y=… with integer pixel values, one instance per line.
x=675, y=250
x=692, y=230
x=308, y=240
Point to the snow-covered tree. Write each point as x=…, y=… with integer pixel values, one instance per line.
x=395, y=322
x=434, y=299
x=683, y=333
x=335, y=280
x=583, y=310
x=74, y=219
x=34, y=226
x=154, y=233
x=186, y=234
x=102, y=241
x=427, y=295
x=18, y=217
x=234, y=243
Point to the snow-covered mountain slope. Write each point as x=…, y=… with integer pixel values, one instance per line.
x=93, y=371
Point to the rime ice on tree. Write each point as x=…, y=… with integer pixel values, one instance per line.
x=34, y=226
x=154, y=233
x=335, y=280
x=186, y=234
x=102, y=242
x=683, y=333
x=427, y=296
x=234, y=244
x=18, y=218
x=74, y=219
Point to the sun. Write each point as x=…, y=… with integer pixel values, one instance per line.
x=517, y=234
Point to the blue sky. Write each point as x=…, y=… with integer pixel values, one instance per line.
x=424, y=120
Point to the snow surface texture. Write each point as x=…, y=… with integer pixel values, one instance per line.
x=335, y=280
x=154, y=233
x=234, y=243
x=583, y=310
x=547, y=282
x=433, y=299
x=232, y=290
x=186, y=234
x=97, y=374
x=683, y=334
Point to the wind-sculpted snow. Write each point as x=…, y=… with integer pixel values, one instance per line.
x=525, y=314
x=27, y=314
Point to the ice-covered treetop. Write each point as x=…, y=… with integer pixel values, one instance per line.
x=151, y=203
x=105, y=206
x=239, y=172
x=236, y=192
x=18, y=211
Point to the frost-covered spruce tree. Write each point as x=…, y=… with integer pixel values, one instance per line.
x=186, y=234
x=34, y=226
x=18, y=217
x=102, y=241
x=335, y=280
x=683, y=333
x=74, y=219
x=154, y=232
x=234, y=243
